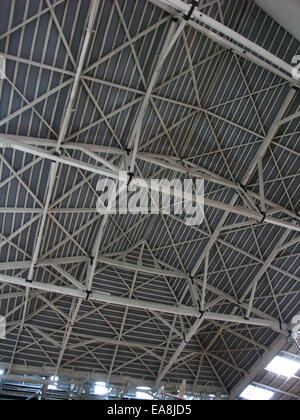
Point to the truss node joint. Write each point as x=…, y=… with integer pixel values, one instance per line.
x=264, y=216
x=202, y=313
x=194, y=5
x=57, y=153
x=192, y=279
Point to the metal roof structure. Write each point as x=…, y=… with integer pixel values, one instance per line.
x=171, y=90
x=284, y=388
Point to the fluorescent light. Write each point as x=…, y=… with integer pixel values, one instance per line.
x=255, y=393
x=283, y=366
x=2, y=371
x=101, y=389
x=143, y=388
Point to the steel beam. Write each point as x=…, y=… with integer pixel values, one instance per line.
x=179, y=350
x=54, y=166
x=8, y=141
x=268, y=356
x=162, y=161
x=273, y=129
x=277, y=390
x=140, y=304
x=116, y=380
x=247, y=177
x=170, y=41
x=254, y=283
x=56, y=262
x=228, y=38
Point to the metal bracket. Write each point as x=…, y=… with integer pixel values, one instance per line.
x=192, y=279
x=194, y=4
x=202, y=313
x=244, y=187
x=57, y=154
x=264, y=216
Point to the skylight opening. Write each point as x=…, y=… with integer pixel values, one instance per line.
x=143, y=396
x=54, y=385
x=283, y=366
x=101, y=389
x=141, y=393
x=255, y=393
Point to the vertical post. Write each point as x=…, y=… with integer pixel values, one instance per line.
x=204, y=282
x=261, y=185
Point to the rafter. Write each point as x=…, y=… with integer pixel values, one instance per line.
x=204, y=21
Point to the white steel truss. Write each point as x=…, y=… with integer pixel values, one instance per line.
x=111, y=265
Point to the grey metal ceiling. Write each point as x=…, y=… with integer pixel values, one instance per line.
x=41, y=41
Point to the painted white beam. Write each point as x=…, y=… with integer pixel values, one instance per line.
x=170, y=41
x=92, y=13
x=131, y=267
x=276, y=390
x=2, y=67
x=67, y=276
x=140, y=304
x=101, y=297
x=38, y=243
x=141, y=268
x=261, y=153
x=228, y=38
x=162, y=161
x=290, y=117
x=117, y=380
x=118, y=343
x=204, y=286
x=258, y=367
x=179, y=350
x=253, y=286
x=10, y=142
x=276, y=326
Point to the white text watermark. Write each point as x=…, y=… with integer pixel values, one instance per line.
x=130, y=195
